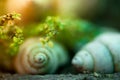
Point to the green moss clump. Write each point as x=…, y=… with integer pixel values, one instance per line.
x=11, y=34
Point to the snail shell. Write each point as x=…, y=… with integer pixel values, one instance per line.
x=101, y=55
x=34, y=58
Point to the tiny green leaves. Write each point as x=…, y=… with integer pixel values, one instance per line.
x=8, y=19
x=10, y=33
x=17, y=40
x=48, y=29
x=16, y=16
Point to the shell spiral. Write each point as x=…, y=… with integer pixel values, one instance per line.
x=101, y=55
x=34, y=58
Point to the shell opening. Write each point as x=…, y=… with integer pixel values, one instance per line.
x=77, y=62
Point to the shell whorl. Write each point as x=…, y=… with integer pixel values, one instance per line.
x=34, y=58
x=100, y=55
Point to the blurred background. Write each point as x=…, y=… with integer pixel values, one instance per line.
x=99, y=12
x=102, y=12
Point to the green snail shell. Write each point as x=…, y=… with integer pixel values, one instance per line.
x=34, y=58
x=101, y=55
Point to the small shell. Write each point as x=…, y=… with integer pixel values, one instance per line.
x=34, y=58
x=101, y=55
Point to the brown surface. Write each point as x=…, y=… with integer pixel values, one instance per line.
x=93, y=76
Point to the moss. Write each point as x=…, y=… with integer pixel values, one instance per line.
x=10, y=33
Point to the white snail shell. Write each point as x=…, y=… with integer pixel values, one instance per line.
x=34, y=58
x=101, y=55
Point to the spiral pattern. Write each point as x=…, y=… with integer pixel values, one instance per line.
x=34, y=58
x=101, y=55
